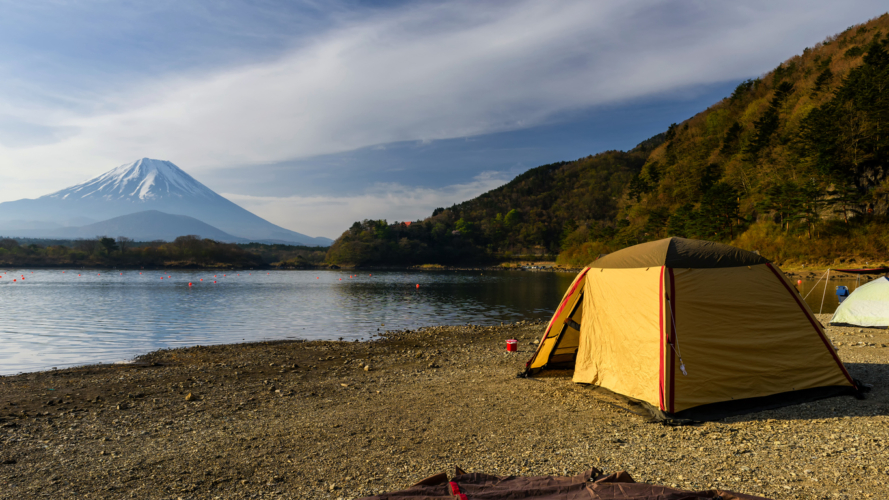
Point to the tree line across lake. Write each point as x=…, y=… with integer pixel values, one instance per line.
x=184, y=251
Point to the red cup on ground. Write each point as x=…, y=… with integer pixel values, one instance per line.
x=512, y=345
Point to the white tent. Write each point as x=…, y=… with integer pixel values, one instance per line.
x=867, y=306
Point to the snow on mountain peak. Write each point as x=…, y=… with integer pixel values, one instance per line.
x=142, y=180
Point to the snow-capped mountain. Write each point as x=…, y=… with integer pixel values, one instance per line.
x=144, y=179
x=139, y=186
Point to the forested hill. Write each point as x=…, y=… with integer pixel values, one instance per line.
x=797, y=155
x=533, y=213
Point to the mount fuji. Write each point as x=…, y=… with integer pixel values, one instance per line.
x=144, y=185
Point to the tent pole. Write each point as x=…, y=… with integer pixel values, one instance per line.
x=815, y=286
x=825, y=291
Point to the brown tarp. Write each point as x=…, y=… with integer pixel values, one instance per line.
x=591, y=485
x=679, y=253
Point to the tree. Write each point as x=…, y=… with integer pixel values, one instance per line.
x=677, y=224
x=87, y=246
x=794, y=202
x=124, y=243
x=742, y=89
x=767, y=125
x=848, y=136
x=822, y=82
x=512, y=218
x=108, y=244
x=8, y=243
x=465, y=227
x=638, y=187
x=730, y=142
x=718, y=212
x=711, y=174
x=657, y=220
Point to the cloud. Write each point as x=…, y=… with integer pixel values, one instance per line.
x=421, y=72
x=331, y=215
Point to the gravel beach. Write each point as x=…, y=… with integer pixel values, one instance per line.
x=329, y=420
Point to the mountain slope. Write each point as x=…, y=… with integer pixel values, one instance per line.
x=805, y=147
x=149, y=225
x=533, y=213
x=800, y=154
x=148, y=184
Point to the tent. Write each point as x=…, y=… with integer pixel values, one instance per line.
x=692, y=330
x=592, y=484
x=867, y=306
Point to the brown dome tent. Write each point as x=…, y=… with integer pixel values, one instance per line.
x=692, y=329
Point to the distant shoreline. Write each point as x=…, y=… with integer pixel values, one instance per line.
x=804, y=274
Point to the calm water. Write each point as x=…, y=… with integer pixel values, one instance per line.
x=57, y=319
x=823, y=300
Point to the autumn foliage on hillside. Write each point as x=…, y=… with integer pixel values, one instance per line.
x=804, y=148
x=799, y=155
x=532, y=214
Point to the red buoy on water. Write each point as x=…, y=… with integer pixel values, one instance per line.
x=418, y=285
x=202, y=279
x=214, y=282
x=189, y=284
x=162, y=277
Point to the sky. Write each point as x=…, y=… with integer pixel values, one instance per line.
x=314, y=114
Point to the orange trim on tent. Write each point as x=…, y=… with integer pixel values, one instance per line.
x=661, y=375
x=814, y=323
x=570, y=294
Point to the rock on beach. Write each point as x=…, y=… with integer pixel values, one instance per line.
x=328, y=420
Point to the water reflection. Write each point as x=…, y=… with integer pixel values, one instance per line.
x=821, y=296
x=62, y=319
x=56, y=318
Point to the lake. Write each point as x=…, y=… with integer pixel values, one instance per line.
x=60, y=318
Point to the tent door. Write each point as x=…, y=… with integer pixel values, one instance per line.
x=565, y=350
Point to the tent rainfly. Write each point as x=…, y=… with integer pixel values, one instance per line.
x=692, y=330
x=867, y=306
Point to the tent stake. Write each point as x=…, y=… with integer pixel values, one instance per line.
x=825, y=291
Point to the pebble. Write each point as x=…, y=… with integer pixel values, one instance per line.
x=402, y=422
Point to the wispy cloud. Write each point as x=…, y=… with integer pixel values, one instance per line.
x=326, y=215
x=414, y=72
x=424, y=72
